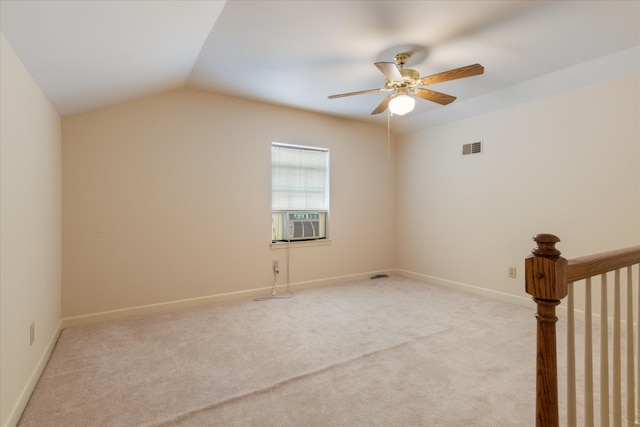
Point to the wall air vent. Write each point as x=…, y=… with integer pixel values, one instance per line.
x=472, y=148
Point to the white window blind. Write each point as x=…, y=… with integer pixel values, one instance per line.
x=299, y=178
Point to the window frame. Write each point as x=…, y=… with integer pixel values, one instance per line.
x=325, y=191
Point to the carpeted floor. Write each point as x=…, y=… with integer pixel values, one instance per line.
x=384, y=352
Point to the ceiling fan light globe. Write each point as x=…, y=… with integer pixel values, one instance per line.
x=401, y=105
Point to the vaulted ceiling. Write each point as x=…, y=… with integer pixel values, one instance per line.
x=88, y=54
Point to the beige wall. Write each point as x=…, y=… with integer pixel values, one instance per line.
x=30, y=232
x=567, y=165
x=168, y=198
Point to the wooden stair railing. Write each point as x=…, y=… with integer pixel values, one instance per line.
x=547, y=277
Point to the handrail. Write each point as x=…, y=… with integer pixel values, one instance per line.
x=593, y=265
x=547, y=277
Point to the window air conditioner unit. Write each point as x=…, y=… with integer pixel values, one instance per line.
x=299, y=225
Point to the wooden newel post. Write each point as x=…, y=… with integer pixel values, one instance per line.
x=546, y=281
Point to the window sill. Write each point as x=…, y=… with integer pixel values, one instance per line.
x=301, y=244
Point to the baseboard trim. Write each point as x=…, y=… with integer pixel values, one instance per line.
x=206, y=300
x=561, y=310
x=163, y=307
x=338, y=280
x=465, y=287
x=25, y=395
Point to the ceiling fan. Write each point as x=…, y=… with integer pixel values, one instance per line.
x=405, y=81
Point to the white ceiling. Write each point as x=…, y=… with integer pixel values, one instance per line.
x=89, y=54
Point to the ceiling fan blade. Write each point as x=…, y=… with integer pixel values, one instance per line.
x=390, y=71
x=431, y=95
x=361, y=92
x=382, y=106
x=458, y=73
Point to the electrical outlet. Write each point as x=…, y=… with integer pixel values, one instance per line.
x=276, y=266
x=512, y=272
x=32, y=333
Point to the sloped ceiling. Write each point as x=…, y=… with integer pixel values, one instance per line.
x=89, y=54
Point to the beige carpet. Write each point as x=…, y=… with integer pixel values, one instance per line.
x=383, y=352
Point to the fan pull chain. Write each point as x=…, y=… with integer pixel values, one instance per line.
x=388, y=134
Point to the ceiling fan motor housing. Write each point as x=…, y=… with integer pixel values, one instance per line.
x=409, y=74
x=409, y=80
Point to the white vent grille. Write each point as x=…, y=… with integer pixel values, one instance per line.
x=472, y=148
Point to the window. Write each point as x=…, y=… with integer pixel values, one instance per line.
x=299, y=191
